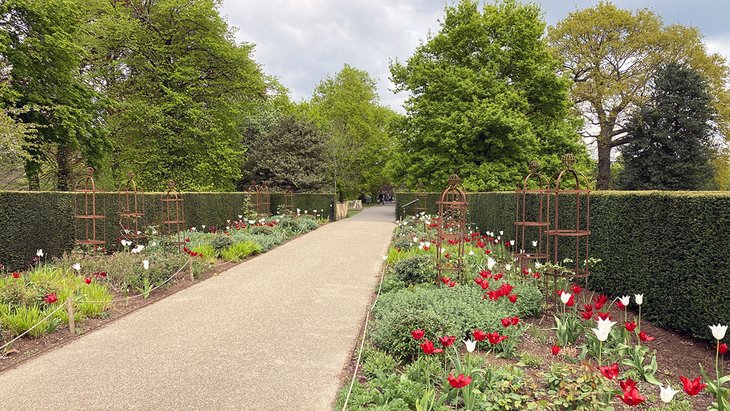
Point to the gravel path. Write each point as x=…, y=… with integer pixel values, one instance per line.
x=273, y=333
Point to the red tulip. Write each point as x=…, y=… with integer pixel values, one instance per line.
x=537, y=276
x=485, y=273
x=50, y=298
x=587, y=315
x=452, y=284
x=459, y=382
x=494, y=338
x=513, y=298
x=631, y=397
x=478, y=280
x=604, y=315
x=429, y=349
x=498, y=276
x=627, y=384
x=445, y=280
x=479, y=335
x=571, y=301
x=418, y=334
x=610, y=371
x=447, y=340
x=493, y=295
x=644, y=337
x=87, y=280
x=16, y=275
x=722, y=348
x=484, y=284
x=620, y=305
x=506, y=322
x=487, y=251
x=505, y=289
x=600, y=301
x=515, y=320
x=556, y=349
x=630, y=326
x=577, y=289
x=693, y=387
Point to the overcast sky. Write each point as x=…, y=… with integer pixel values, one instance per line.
x=303, y=41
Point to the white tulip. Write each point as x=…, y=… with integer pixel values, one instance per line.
x=443, y=249
x=534, y=243
x=153, y=244
x=385, y=257
x=604, y=328
x=146, y=264
x=667, y=393
x=203, y=225
x=564, y=297
x=39, y=252
x=252, y=221
x=718, y=331
x=639, y=299
x=538, y=265
x=415, y=239
x=511, y=242
x=508, y=267
x=193, y=229
x=470, y=345
x=490, y=263
x=428, y=244
x=625, y=300
x=76, y=267
x=240, y=216
x=471, y=252
x=138, y=249
x=501, y=232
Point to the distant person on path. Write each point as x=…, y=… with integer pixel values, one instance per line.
x=381, y=198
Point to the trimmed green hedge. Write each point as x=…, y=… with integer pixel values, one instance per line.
x=671, y=246
x=32, y=220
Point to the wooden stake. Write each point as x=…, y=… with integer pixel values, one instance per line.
x=70, y=311
x=190, y=263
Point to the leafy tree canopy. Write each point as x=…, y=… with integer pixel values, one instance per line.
x=484, y=101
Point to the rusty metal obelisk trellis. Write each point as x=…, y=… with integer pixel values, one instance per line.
x=173, y=214
x=260, y=199
x=89, y=227
x=452, y=214
x=566, y=229
x=131, y=211
x=531, y=218
x=289, y=201
x=422, y=205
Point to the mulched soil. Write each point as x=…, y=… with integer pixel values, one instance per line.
x=27, y=348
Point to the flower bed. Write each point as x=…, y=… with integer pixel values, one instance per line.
x=97, y=283
x=490, y=343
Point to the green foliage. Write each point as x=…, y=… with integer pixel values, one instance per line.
x=635, y=361
x=578, y=387
x=221, y=242
x=675, y=405
x=20, y=319
x=611, y=54
x=239, y=251
x=415, y=270
x=377, y=363
x=670, y=139
x=347, y=109
x=683, y=276
x=440, y=311
x=45, y=220
x=529, y=360
x=261, y=230
x=485, y=100
x=289, y=156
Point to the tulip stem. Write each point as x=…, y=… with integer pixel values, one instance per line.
x=639, y=324
x=600, y=352
x=717, y=362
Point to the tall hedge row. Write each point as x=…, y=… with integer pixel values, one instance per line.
x=33, y=220
x=671, y=246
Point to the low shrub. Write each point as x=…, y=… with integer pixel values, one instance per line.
x=17, y=320
x=220, y=242
x=378, y=363
x=415, y=270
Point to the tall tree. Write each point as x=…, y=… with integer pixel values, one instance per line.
x=184, y=91
x=611, y=55
x=484, y=100
x=347, y=108
x=290, y=155
x=41, y=48
x=670, y=139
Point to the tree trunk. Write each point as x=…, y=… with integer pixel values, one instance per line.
x=32, y=173
x=604, y=161
x=64, y=167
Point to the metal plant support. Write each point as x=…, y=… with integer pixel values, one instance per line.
x=530, y=218
x=289, y=201
x=570, y=229
x=264, y=203
x=253, y=194
x=173, y=214
x=131, y=211
x=88, y=221
x=422, y=205
x=452, y=214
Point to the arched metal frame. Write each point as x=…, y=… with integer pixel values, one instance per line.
x=530, y=225
x=253, y=194
x=422, y=205
x=578, y=231
x=173, y=214
x=131, y=211
x=289, y=201
x=452, y=228
x=264, y=208
x=87, y=219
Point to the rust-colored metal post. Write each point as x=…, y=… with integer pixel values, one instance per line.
x=529, y=230
x=88, y=216
x=452, y=221
x=131, y=211
x=173, y=214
